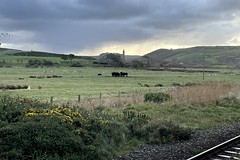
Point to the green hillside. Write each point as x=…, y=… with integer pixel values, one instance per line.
x=6, y=51
x=196, y=56
x=18, y=58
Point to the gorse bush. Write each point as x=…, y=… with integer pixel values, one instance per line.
x=37, y=136
x=156, y=97
x=44, y=131
x=40, y=129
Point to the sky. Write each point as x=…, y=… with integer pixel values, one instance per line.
x=91, y=27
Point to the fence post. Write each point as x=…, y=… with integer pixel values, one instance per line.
x=51, y=101
x=79, y=98
x=119, y=93
x=100, y=96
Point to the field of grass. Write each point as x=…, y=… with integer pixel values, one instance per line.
x=118, y=122
x=115, y=117
x=86, y=83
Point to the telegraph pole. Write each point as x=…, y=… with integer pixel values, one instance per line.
x=124, y=60
x=203, y=69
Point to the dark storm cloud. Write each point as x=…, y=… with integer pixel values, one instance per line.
x=70, y=25
x=71, y=9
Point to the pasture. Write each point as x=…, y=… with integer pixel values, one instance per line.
x=124, y=120
x=84, y=81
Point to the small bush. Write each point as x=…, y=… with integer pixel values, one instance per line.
x=190, y=84
x=176, y=84
x=24, y=87
x=167, y=132
x=135, y=121
x=228, y=102
x=77, y=64
x=18, y=87
x=156, y=97
x=158, y=85
x=2, y=86
x=146, y=85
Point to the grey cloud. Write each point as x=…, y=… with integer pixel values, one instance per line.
x=71, y=9
x=68, y=25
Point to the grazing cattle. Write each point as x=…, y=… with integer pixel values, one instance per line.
x=123, y=74
x=99, y=74
x=115, y=74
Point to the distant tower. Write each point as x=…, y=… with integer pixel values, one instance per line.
x=123, y=56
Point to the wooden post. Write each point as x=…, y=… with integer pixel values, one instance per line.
x=79, y=98
x=100, y=96
x=51, y=101
x=119, y=93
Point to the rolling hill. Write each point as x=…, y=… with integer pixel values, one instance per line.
x=210, y=56
x=196, y=56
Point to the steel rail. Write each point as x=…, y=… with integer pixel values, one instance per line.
x=216, y=149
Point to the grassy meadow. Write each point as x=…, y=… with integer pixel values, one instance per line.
x=85, y=81
x=113, y=116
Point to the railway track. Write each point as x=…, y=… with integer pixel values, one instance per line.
x=227, y=150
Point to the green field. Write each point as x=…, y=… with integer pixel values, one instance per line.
x=118, y=122
x=85, y=82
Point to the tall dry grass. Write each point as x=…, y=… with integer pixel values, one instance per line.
x=114, y=102
x=203, y=92
x=187, y=94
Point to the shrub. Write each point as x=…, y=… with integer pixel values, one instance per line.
x=158, y=85
x=2, y=86
x=10, y=109
x=24, y=87
x=77, y=64
x=190, y=84
x=38, y=136
x=18, y=87
x=43, y=131
x=228, y=102
x=135, y=121
x=166, y=132
x=176, y=84
x=156, y=97
x=146, y=85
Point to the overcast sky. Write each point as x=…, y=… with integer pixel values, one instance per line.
x=90, y=27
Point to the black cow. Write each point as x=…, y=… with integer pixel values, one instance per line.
x=115, y=74
x=123, y=74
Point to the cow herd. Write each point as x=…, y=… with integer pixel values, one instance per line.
x=119, y=74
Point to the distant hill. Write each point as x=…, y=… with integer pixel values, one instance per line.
x=8, y=51
x=13, y=52
x=196, y=56
x=210, y=56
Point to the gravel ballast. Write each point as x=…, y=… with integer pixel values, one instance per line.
x=199, y=141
